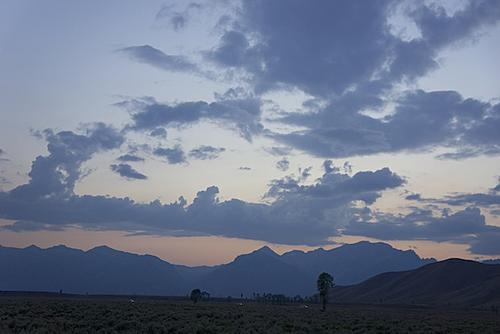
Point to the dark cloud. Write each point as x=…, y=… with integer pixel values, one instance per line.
x=334, y=46
x=55, y=175
x=127, y=171
x=158, y=132
x=129, y=158
x=413, y=197
x=336, y=187
x=476, y=199
x=233, y=109
x=421, y=120
x=283, y=164
x=487, y=243
x=205, y=152
x=157, y=58
x=421, y=224
x=173, y=155
x=298, y=214
x=345, y=54
x=489, y=199
x=465, y=226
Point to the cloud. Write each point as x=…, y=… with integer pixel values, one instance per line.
x=205, y=152
x=421, y=120
x=352, y=61
x=331, y=47
x=176, y=18
x=158, y=132
x=173, y=155
x=337, y=187
x=300, y=214
x=233, y=109
x=283, y=165
x=487, y=243
x=149, y=55
x=489, y=199
x=297, y=213
x=55, y=175
x=278, y=150
x=464, y=226
x=349, y=61
x=129, y=158
x=126, y=171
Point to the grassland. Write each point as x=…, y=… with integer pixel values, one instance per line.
x=106, y=315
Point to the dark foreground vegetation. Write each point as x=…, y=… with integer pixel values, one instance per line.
x=30, y=314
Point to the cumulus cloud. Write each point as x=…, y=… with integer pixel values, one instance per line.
x=421, y=120
x=128, y=172
x=349, y=60
x=56, y=174
x=206, y=152
x=234, y=109
x=332, y=47
x=173, y=155
x=297, y=214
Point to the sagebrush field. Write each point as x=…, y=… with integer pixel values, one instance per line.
x=98, y=315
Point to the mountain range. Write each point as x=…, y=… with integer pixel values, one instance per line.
x=103, y=270
x=452, y=282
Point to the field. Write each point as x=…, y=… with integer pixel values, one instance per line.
x=31, y=314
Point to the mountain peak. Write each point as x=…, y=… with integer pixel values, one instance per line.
x=265, y=250
x=102, y=249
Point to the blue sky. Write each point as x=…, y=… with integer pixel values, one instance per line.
x=197, y=130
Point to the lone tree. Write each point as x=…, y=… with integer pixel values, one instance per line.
x=325, y=283
x=195, y=295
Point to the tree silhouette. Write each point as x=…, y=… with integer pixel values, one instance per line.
x=324, y=283
x=195, y=295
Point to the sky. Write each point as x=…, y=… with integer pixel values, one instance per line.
x=196, y=131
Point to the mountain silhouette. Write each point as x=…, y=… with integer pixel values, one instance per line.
x=354, y=263
x=261, y=271
x=454, y=282
x=103, y=270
